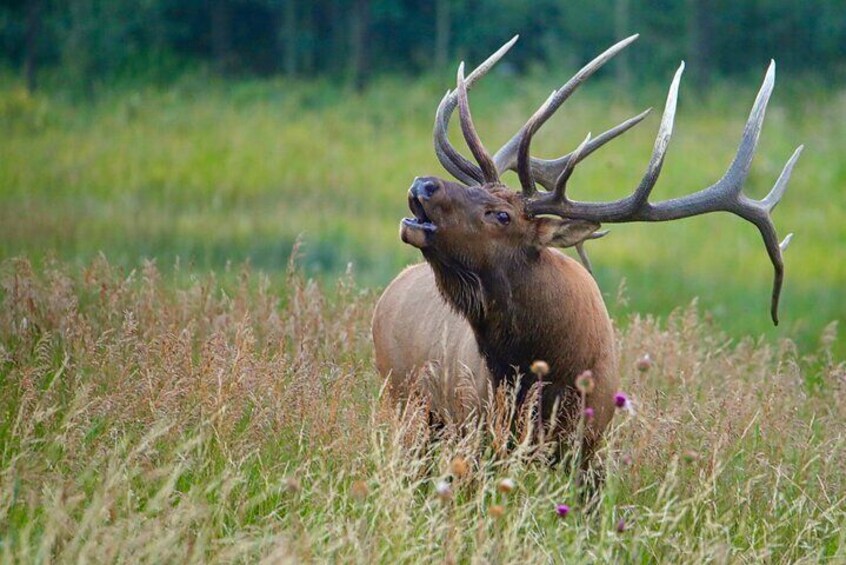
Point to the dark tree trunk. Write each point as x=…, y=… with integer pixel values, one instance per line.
x=359, y=24
x=289, y=37
x=220, y=47
x=337, y=38
x=33, y=25
x=443, y=24
x=622, y=29
x=700, y=27
x=308, y=34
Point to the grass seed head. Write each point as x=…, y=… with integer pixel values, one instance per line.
x=292, y=485
x=459, y=467
x=359, y=490
x=691, y=456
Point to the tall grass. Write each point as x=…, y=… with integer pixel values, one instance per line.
x=212, y=173
x=197, y=418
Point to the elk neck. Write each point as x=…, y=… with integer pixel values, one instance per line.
x=515, y=315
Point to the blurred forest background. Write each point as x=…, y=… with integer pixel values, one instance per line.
x=212, y=132
x=88, y=43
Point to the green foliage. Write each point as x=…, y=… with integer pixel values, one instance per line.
x=84, y=44
x=212, y=172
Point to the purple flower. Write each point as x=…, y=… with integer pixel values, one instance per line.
x=589, y=413
x=623, y=402
x=562, y=510
x=621, y=526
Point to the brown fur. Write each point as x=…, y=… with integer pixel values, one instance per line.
x=492, y=299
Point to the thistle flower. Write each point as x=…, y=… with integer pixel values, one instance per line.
x=506, y=485
x=623, y=402
x=589, y=414
x=540, y=368
x=562, y=510
x=585, y=382
x=644, y=363
x=443, y=490
x=621, y=526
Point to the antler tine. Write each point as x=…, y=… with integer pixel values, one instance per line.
x=580, y=249
x=560, y=192
x=758, y=212
x=524, y=167
x=485, y=161
x=547, y=171
x=453, y=161
x=662, y=141
x=724, y=195
x=506, y=157
x=449, y=157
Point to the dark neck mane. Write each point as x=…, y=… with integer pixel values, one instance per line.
x=497, y=302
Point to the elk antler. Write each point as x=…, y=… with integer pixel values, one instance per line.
x=486, y=164
x=514, y=155
x=545, y=171
x=452, y=160
x=724, y=195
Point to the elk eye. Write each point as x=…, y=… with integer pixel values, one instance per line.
x=503, y=218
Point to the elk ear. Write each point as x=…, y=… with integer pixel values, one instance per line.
x=559, y=232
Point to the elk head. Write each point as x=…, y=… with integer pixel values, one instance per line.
x=478, y=223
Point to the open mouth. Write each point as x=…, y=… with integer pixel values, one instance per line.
x=420, y=220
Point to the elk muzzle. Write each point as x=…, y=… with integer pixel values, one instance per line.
x=419, y=229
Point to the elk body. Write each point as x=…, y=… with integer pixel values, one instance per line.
x=494, y=294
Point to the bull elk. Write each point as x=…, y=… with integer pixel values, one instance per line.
x=494, y=295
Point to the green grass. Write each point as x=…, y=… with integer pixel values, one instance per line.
x=212, y=173
x=158, y=412
x=155, y=418
x=155, y=412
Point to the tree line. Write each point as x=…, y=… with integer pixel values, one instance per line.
x=92, y=42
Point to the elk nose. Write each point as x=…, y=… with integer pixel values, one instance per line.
x=424, y=188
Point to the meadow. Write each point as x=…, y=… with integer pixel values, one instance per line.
x=180, y=380
x=211, y=173
x=202, y=421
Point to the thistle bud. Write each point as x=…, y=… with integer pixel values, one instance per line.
x=443, y=490
x=505, y=486
x=585, y=382
x=644, y=363
x=540, y=368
